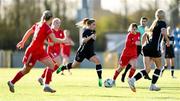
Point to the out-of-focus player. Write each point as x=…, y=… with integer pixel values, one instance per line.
x=40, y=31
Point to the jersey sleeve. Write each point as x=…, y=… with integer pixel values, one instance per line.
x=49, y=30
x=84, y=34
x=33, y=27
x=163, y=25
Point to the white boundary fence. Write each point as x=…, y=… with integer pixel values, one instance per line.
x=14, y=59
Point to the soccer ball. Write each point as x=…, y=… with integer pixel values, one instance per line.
x=108, y=83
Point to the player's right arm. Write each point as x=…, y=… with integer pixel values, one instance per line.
x=25, y=37
x=86, y=39
x=57, y=40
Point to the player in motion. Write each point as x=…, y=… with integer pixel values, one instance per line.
x=66, y=49
x=40, y=31
x=152, y=51
x=53, y=49
x=129, y=53
x=141, y=30
x=86, y=50
x=169, y=53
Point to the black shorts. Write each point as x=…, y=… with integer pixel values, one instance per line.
x=169, y=53
x=139, y=48
x=151, y=51
x=81, y=55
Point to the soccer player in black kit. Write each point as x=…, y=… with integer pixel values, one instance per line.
x=86, y=50
x=152, y=51
x=169, y=53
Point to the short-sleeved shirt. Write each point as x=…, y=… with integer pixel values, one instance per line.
x=54, y=50
x=35, y=51
x=89, y=46
x=130, y=49
x=156, y=38
x=141, y=30
x=153, y=45
x=169, y=51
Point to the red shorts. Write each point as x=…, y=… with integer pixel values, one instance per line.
x=31, y=56
x=66, y=51
x=124, y=60
x=53, y=54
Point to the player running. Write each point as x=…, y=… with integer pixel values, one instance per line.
x=141, y=30
x=86, y=50
x=152, y=50
x=129, y=53
x=35, y=51
x=66, y=49
x=53, y=49
x=169, y=53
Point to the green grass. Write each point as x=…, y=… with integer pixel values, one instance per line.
x=82, y=85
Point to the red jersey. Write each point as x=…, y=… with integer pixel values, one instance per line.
x=130, y=48
x=66, y=49
x=56, y=47
x=35, y=51
x=41, y=32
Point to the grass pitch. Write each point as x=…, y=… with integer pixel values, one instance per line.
x=82, y=85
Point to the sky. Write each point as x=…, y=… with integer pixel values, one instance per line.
x=117, y=6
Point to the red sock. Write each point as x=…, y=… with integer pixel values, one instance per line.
x=115, y=75
x=55, y=67
x=131, y=72
x=18, y=76
x=44, y=72
x=48, y=76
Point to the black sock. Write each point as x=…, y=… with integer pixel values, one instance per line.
x=140, y=74
x=63, y=68
x=165, y=67
x=155, y=75
x=69, y=65
x=172, y=70
x=99, y=71
x=126, y=69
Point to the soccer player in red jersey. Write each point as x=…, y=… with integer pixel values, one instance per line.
x=66, y=49
x=40, y=31
x=129, y=54
x=53, y=49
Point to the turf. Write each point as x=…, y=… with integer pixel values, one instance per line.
x=82, y=85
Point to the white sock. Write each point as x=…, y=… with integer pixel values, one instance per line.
x=46, y=85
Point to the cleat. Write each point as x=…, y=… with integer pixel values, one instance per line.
x=40, y=80
x=153, y=87
x=147, y=77
x=123, y=77
x=48, y=89
x=131, y=84
x=60, y=69
x=11, y=87
x=100, y=82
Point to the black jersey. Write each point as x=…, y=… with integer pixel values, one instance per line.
x=89, y=46
x=169, y=51
x=156, y=38
x=153, y=45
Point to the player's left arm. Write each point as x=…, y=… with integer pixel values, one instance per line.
x=57, y=40
x=25, y=38
x=164, y=33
